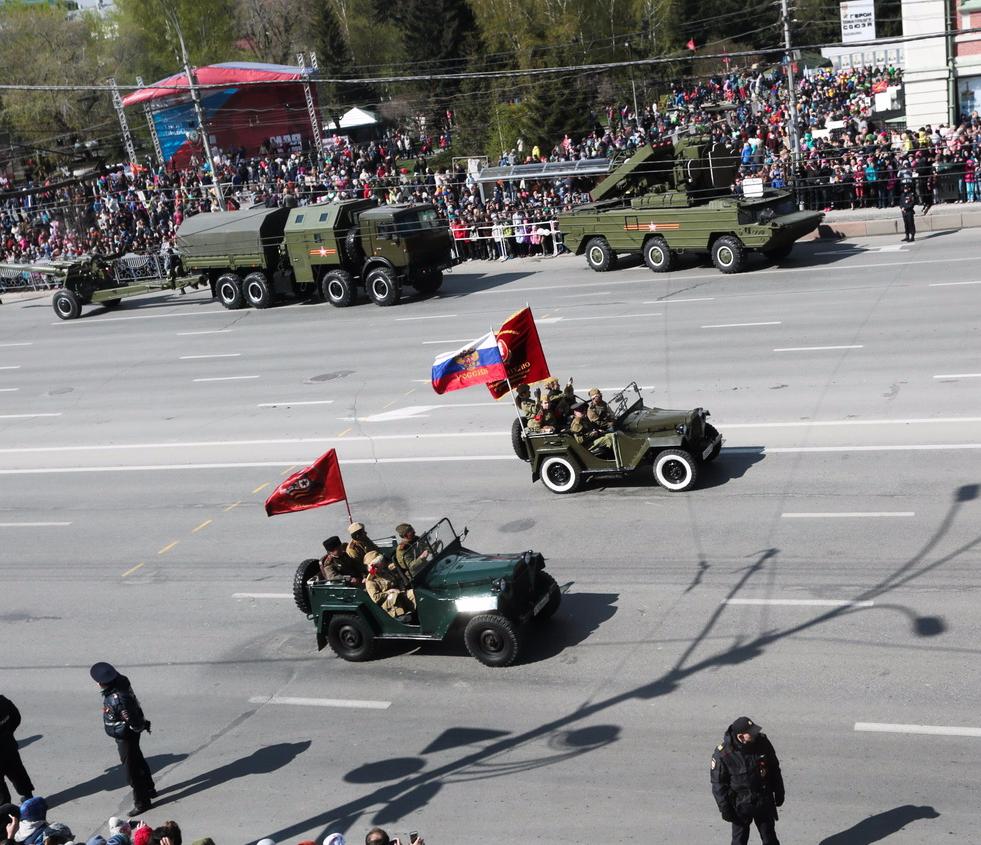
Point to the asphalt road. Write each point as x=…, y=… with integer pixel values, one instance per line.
x=822, y=578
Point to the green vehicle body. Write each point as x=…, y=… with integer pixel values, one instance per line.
x=673, y=443
x=453, y=589
x=671, y=198
x=259, y=256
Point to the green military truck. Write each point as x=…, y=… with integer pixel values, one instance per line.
x=260, y=256
x=670, y=198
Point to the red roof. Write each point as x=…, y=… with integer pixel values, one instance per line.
x=226, y=73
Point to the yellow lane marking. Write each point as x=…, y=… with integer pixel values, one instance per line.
x=131, y=571
x=233, y=505
x=409, y=391
x=389, y=405
x=168, y=547
x=346, y=430
x=260, y=488
x=204, y=524
x=288, y=470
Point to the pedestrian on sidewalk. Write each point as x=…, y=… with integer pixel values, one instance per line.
x=746, y=781
x=11, y=766
x=124, y=721
x=907, y=205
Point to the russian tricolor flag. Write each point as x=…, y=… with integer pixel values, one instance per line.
x=477, y=363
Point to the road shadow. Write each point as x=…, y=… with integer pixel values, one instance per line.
x=462, y=283
x=881, y=825
x=731, y=464
x=110, y=780
x=28, y=740
x=262, y=761
x=940, y=234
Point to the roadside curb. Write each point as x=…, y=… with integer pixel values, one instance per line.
x=936, y=221
x=9, y=297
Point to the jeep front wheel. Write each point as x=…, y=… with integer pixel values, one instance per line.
x=554, y=598
x=350, y=637
x=728, y=254
x=310, y=568
x=675, y=470
x=560, y=475
x=657, y=256
x=599, y=256
x=711, y=432
x=491, y=639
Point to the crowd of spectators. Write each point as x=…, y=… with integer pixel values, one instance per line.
x=848, y=160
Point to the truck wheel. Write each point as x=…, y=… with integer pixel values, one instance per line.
x=491, y=639
x=780, y=252
x=675, y=470
x=728, y=254
x=257, y=290
x=517, y=441
x=428, y=283
x=555, y=599
x=229, y=288
x=353, y=251
x=599, y=256
x=383, y=287
x=304, y=572
x=711, y=432
x=350, y=638
x=338, y=288
x=657, y=255
x=66, y=305
x=561, y=475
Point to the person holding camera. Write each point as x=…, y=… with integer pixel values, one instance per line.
x=377, y=836
x=746, y=781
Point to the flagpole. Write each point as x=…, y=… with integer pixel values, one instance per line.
x=507, y=378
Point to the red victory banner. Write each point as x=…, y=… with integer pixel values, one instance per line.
x=318, y=485
x=522, y=352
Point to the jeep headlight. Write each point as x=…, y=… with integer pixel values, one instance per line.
x=681, y=429
x=476, y=604
x=499, y=586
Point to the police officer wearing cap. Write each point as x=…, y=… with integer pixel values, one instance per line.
x=746, y=781
x=124, y=721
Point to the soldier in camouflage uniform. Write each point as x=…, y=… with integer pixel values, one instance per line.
x=360, y=544
x=548, y=420
x=526, y=402
x=405, y=552
x=562, y=399
x=588, y=433
x=599, y=412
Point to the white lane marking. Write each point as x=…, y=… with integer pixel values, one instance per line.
x=412, y=412
x=213, y=355
x=929, y=730
x=550, y=320
x=291, y=404
x=91, y=322
x=801, y=602
x=9, y=389
x=11, y=367
x=261, y=596
x=208, y=331
x=34, y=524
x=806, y=423
x=815, y=348
x=25, y=343
x=26, y=416
x=446, y=342
x=225, y=378
x=740, y=325
x=951, y=284
x=800, y=450
x=580, y=295
x=427, y=317
x=960, y=375
x=670, y=301
x=843, y=514
x=321, y=702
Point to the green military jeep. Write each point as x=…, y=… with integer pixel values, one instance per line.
x=673, y=443
x=490, y=598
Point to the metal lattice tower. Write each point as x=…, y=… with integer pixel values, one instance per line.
x=157, y=149
x=117, y=103
x=318, y=141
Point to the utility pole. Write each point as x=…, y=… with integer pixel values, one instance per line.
x=792, y=92
x=117, y=104
x=633, y=86
x=318, y=142
x=196, y=99
x=157, y=149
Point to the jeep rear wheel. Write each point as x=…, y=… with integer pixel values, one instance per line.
x=310, y=568
x=675, y=470
x=517, y=441
x=560, y=475
x=599, y=256
x=657, y=255
x=491, y=639
x=728, y=254
x=350, y=637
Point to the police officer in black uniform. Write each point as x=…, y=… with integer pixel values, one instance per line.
x=746, y=781
x=123, y=720
x=907, y=204
x=11, y=766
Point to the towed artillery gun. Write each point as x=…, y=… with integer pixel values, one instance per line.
x=675, y=197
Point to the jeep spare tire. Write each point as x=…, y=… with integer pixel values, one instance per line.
x=310, y=568
x=518, y=441
x=491, y=639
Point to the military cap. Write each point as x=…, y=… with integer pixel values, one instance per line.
x=523, y=390
x=373, y=558
x=595, y=391
x=403, y=528
x=552, y=382
x=332, y=544
x=103, y=673
x=580, y=407
x=355, y=527
x=745, y=725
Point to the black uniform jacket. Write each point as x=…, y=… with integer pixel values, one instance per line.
x=121, y=712
x=746, y=779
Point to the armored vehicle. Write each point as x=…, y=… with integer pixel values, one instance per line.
x=491, y=599
x=673, y=443
x=671, y=198
x=261, y=255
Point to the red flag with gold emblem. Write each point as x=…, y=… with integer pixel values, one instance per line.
x=521, y=349
x=318, y=485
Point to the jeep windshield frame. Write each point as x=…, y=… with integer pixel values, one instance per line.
x=626, y=400
x=438, y=541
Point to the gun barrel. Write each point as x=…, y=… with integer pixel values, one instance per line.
x=9, y=268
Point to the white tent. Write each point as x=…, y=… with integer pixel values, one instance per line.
x=354, y=119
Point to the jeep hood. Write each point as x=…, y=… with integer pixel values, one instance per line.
x=653, y=420
x=469, y=569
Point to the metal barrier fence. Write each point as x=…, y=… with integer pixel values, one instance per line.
x=22, y=280
x=502, y=246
